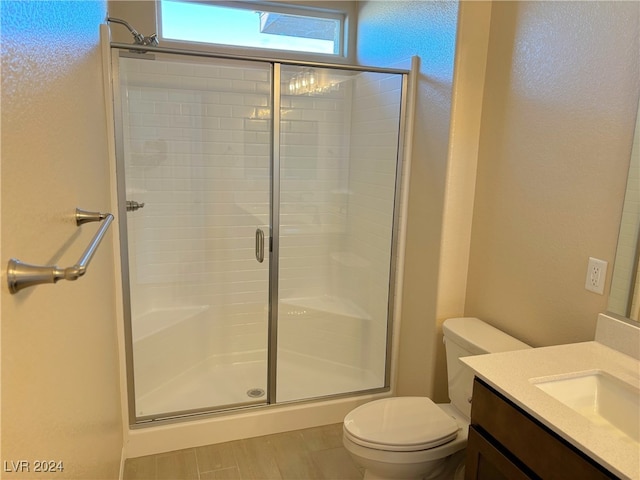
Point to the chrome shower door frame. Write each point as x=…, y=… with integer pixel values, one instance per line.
x=123, y=238
x=274, y=237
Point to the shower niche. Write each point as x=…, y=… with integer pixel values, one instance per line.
x=260, y=269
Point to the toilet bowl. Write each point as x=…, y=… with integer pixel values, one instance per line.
x=406, y=438
x=413, y=437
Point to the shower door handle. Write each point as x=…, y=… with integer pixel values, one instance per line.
x=259, y=245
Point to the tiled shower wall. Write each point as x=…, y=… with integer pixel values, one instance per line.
x=198, y=158
x=343, y=264
x=315, y=141
x=197, y=150
x=372, y=181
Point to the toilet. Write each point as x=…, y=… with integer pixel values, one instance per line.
x=413, y=437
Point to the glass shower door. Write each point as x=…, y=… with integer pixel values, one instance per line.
x=194, y=173
x=339, y=138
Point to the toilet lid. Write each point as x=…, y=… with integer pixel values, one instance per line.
x=400, y=424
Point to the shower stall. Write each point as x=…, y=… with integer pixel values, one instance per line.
x=258, y=209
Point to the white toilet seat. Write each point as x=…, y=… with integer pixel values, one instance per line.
x=400, y=424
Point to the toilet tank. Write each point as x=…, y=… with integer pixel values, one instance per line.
x=470, y=336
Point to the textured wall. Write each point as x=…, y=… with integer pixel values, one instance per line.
x=559, y=111
x=390, y=32
x=60, y=386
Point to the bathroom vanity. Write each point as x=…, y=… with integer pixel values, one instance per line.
x=506, y=442
x=565, y=411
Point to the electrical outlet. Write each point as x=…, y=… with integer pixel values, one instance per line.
x=596, y=275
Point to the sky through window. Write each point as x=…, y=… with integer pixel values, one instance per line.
x=206, y=23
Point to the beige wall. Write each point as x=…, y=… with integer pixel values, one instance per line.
x=549, y=127
x=472, y=41
x=60, y=372
x=561, y=93
x=556, y=126
x=389, y=32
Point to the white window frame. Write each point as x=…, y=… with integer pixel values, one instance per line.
x=311, y=10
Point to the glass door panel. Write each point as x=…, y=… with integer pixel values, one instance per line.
x=339, y=153
x=194, y=173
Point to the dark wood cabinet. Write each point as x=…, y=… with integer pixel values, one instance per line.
x=507, y=443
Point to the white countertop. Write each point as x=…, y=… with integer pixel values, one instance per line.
x=509, y=374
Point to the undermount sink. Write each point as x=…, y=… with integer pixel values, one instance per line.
x=603, y=399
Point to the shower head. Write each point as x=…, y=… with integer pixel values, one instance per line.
x=138, y=38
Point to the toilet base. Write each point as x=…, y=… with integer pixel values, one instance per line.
x=420, y=465
x=452, y=468
x=422, y=471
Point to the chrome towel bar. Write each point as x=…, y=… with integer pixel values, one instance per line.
x=22, y=275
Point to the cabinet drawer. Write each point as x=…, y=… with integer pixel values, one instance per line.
x=540, y=449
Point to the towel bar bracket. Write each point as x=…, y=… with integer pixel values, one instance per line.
x=21, y=275
x=84, y=216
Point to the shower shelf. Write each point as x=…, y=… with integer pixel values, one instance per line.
x=21, y=275
x=160, y=319
x=323, y=304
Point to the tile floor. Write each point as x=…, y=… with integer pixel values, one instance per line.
x=313, y=453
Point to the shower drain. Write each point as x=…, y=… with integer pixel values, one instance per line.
x=255, y=392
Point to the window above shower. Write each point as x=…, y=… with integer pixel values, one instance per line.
x=254, y=25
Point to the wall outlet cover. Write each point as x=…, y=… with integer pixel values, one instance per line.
x=596, y=275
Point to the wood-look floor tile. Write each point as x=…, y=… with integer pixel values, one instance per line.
x=324, y=437
x=141, y=468
x=215, y=457
x=179, y=465
x=309, y=454
x=256, y=459
x=232, y=473
x=293, y=457
x=336, y=464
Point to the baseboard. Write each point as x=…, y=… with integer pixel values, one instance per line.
x=252, y=423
